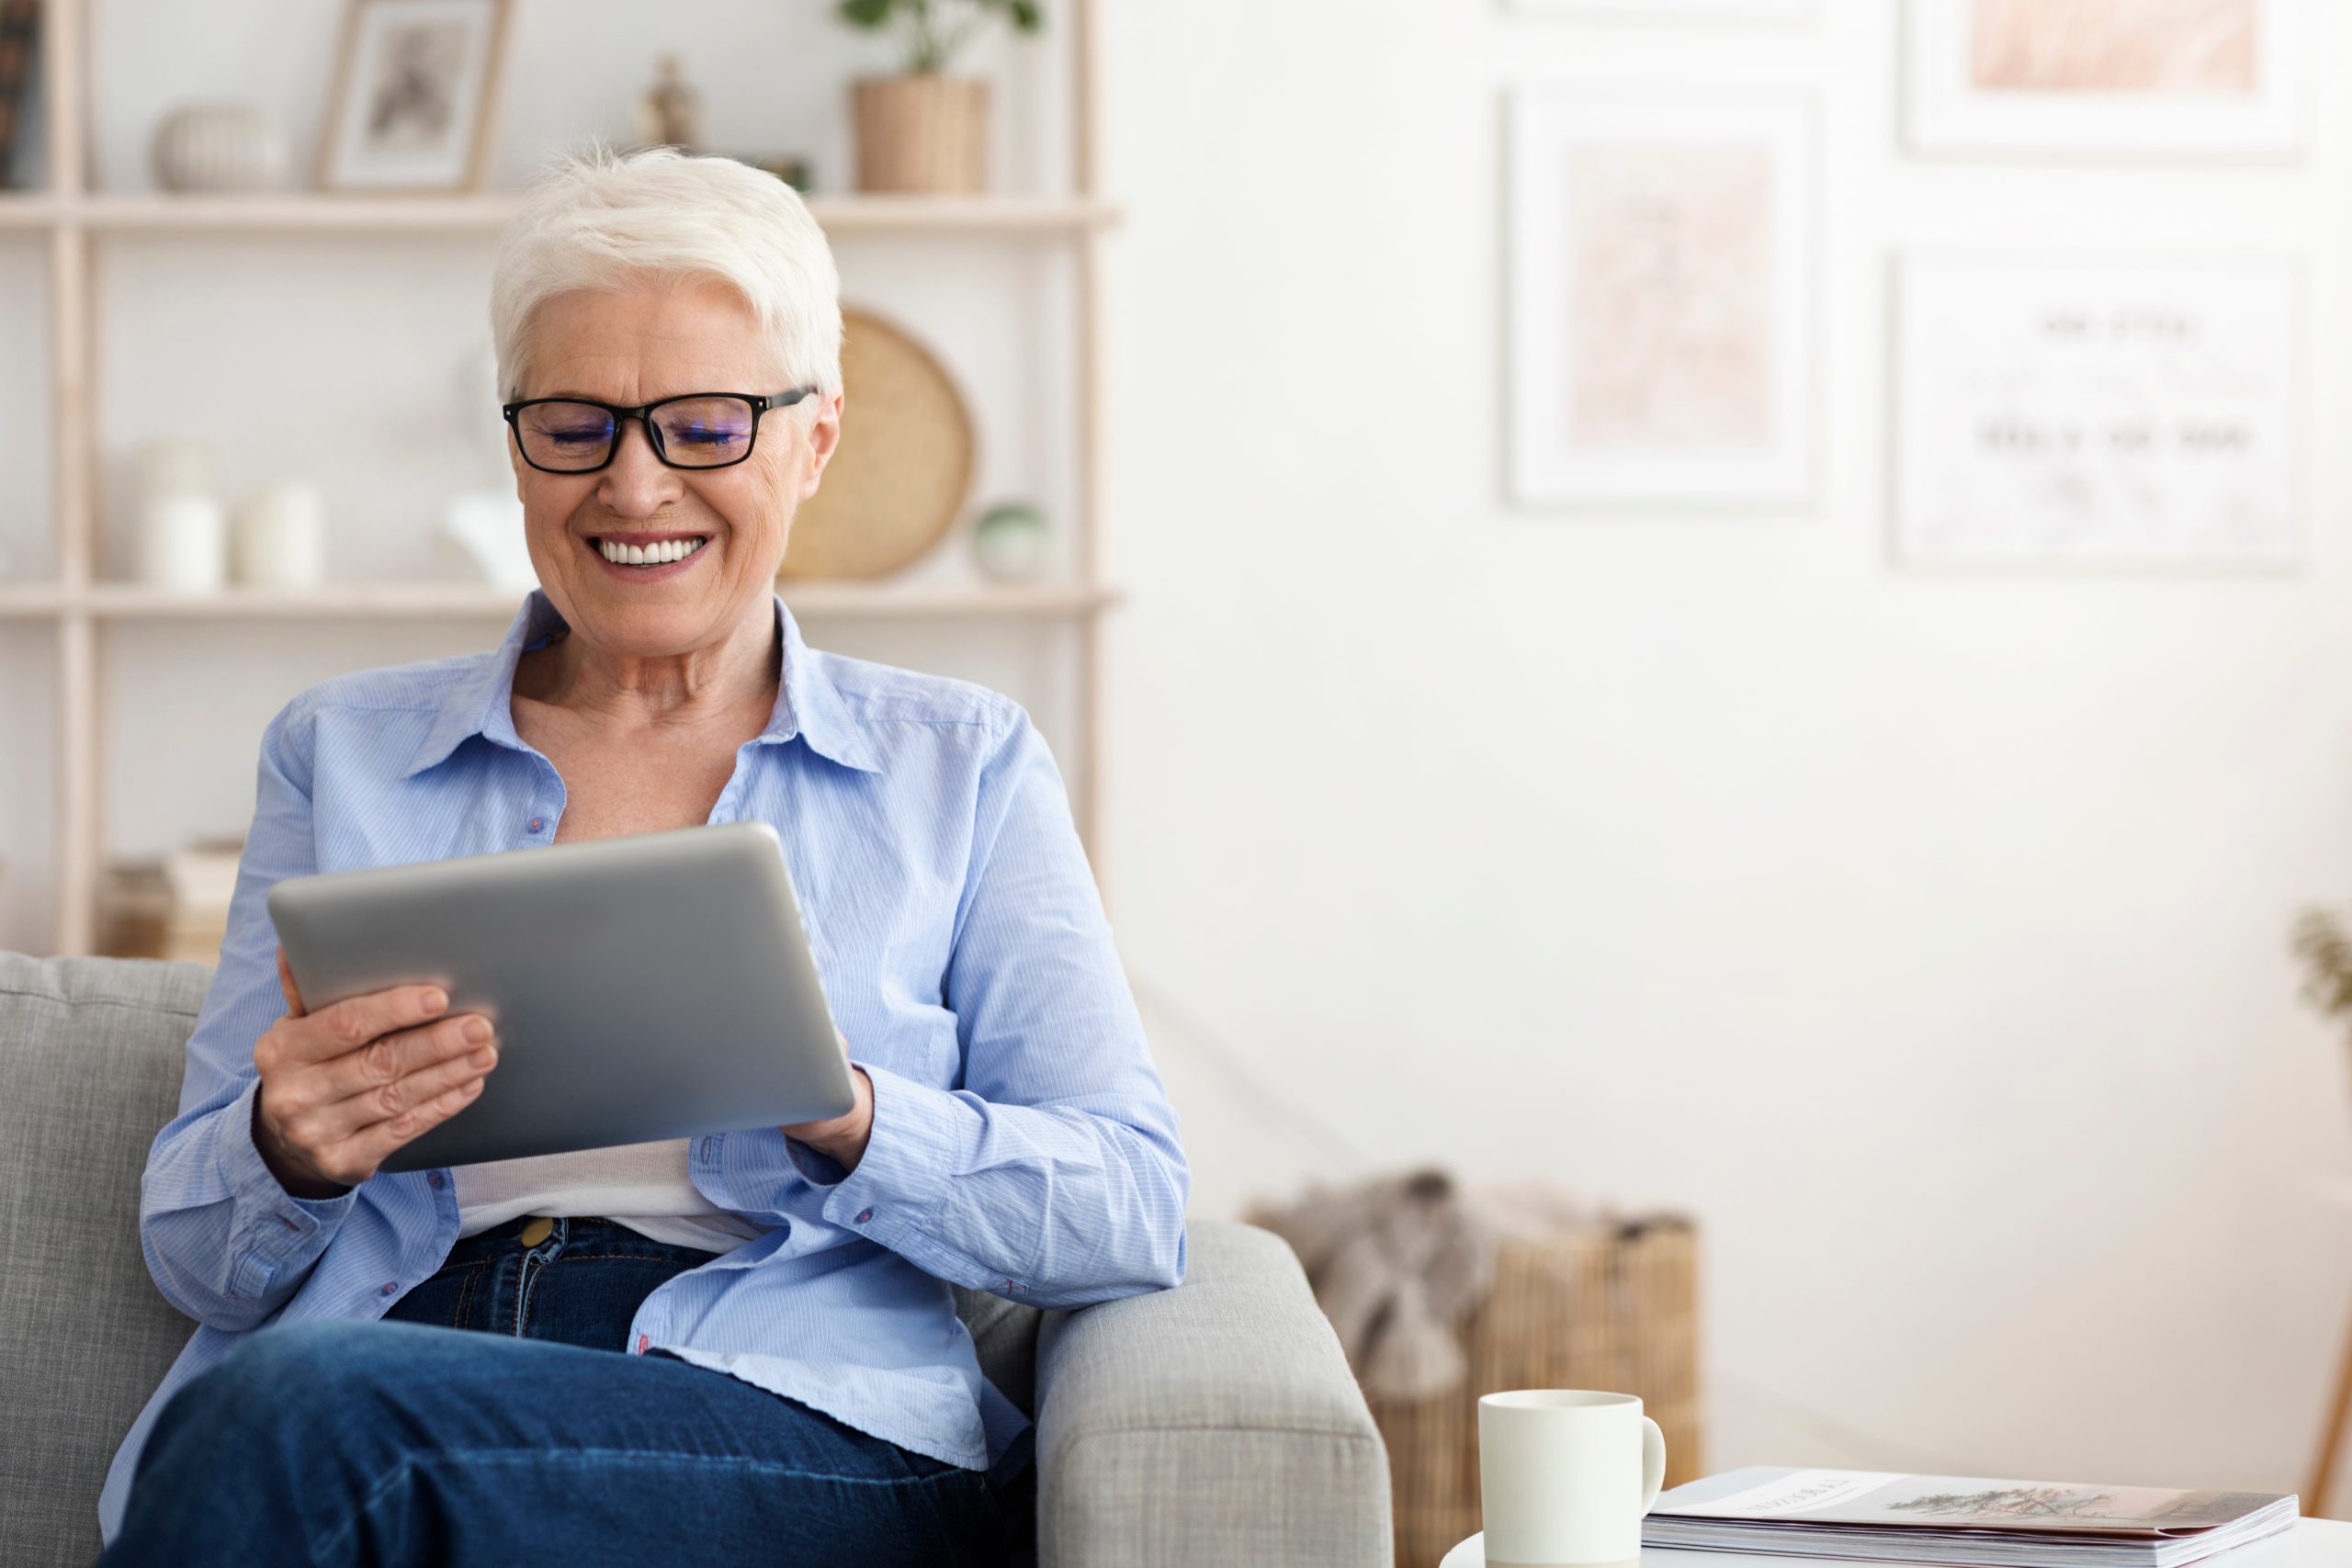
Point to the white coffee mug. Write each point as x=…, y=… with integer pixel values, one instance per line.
x=1564, y=1476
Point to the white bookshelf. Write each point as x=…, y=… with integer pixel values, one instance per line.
x=81, y=604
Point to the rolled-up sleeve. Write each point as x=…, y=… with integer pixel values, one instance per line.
x=1053, y=1174
x=227, y=1244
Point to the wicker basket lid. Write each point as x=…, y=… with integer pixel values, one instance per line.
x=899, y=478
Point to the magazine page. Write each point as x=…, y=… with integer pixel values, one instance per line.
x=1942, y=1501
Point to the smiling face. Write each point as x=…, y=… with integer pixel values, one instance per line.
x=634, y=344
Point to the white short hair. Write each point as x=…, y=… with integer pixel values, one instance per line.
x=599, y=218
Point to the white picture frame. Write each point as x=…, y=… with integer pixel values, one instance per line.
x=2099, y=411
x=415, y=97
x=2118, y=83
x=1660, y=297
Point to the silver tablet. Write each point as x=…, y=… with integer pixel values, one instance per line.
x=652, y=987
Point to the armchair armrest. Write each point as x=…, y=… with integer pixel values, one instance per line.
x=1217, y=1422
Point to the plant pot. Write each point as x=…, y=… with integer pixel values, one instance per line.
x=925, y=133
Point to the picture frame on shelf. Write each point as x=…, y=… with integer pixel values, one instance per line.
x=2183, y=78
x=1660, y=306
x=415, y=97
x=2091, y=411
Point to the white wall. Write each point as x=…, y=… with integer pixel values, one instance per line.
x=1923, y=936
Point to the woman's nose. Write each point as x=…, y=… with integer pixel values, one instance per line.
x=636, y=483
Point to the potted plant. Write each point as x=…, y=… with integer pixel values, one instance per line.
x=923, y=130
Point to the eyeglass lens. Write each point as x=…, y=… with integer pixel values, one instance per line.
x=695, y=432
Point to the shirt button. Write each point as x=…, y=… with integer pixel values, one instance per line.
x=389, y=1286
x=434, y=1180
x=538, y=823
x=640, y=1344
x=863, y=1215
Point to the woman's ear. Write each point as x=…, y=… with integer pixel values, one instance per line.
x=825, y=434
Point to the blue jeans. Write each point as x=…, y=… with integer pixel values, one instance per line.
x=525, y=1438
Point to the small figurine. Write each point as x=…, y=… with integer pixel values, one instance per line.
x=668, y=113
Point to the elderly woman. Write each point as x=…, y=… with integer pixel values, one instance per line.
x=743, y=1347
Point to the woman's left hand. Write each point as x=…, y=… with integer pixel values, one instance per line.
x=841, y=1138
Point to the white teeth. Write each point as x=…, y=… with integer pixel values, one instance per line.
x=649, y=555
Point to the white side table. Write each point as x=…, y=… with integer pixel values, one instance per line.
x=2312, y=1543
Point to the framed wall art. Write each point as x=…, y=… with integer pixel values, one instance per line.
x=415, y=95
x=2172, y=77
x=1660, y=302
x=2099, y=412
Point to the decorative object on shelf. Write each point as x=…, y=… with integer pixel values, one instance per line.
x=1011, y=541
x=791, y=168
x=896, y=484
x=489, y=529
x=280, y=538
x=183, y=544
x=219, y=147
x=415, y=97
x=183, y=528
x=487, y=521
x=1661, y=298
x=2073, y=410
x=174, y=905
x=20, y=60
x=668, y=113
x=2187, y=77
x=923, y=131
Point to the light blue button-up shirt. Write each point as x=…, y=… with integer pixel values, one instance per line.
x=1022, y=1142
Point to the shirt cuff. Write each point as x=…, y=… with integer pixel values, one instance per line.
x=919, y=1140
x=271, y=1226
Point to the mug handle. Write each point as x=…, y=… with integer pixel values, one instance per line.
x=1653, y=1463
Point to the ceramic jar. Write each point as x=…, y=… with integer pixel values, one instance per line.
x=219, y=147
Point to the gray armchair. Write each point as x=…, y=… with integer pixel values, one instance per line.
x=1213, y=1423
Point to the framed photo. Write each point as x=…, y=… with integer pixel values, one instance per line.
x=2099, y=412
x=1674, y=10
x=2103, y=76
x=1660, y=335
x=415, y=94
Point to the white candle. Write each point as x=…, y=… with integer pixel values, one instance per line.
x=182, y=543
x=281, y=538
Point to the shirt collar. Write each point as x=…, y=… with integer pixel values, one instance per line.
x=807, y=705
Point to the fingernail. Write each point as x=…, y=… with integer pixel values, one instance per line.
x=435, y=1000
x=476, y=1029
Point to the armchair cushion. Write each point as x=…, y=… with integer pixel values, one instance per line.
x=1214, y=1423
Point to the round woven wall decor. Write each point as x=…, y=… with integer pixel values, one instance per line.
x=899, y=478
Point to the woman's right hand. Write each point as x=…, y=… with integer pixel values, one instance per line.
x=341, y=1088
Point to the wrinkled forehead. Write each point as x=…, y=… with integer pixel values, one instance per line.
x=649, y=336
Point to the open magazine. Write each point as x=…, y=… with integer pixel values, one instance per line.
x=1949, y=1519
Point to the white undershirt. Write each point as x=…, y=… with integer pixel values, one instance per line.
x=642, y=1186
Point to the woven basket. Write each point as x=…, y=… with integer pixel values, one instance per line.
x=1599, y=1309
x=926, y=133
x=896, y=484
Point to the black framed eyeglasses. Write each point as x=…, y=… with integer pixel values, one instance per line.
x=693, y=429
